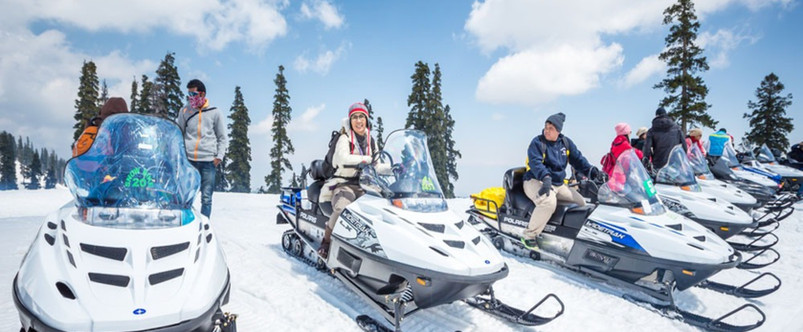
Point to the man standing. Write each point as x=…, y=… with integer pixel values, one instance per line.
x=661, y=138
x=547, y=157
x=204, y=138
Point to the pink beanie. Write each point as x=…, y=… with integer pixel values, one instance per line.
x=622, y=129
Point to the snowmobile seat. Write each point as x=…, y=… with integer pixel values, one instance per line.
x=575, y=216
x=316, y=170
x=314, y=194
x=516, y=202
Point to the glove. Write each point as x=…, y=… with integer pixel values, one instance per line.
x=546, y=186
x=594, y=173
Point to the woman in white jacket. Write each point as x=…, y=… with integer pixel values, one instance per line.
x=354, y=146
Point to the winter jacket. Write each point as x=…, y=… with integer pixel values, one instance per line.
x=796, y=152
x=552, y=159
x=205, y=136
x=637, y=143
x=347, y=153
x=620, y=144
x=716, y=143
x=699, y=144
x=661, y=138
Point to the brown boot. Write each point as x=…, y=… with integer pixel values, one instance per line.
x=323, y=250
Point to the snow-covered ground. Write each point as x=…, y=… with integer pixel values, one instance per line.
x=272, y=292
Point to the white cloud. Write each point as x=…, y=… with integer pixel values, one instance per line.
x=538, y=36
x=213, y=23
x=324, y=12
x=321, y=64
x=720, y=44
x=262, y=127
x=496, y=116
x=645, y=69
x=306, y=121
x=530, y=77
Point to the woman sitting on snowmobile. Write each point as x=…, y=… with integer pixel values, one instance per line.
x=354, y=147
x=112, y=106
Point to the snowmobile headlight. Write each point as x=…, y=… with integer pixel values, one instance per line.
x=133, y=218
x=420, y=204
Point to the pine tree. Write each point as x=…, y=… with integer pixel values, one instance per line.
x=134, y=99
x=33, y=172
x=684, y=60
x=144, y=104
x=370, y=109
x=8, y=166
x=104, y=94
x=418, y=97
x=238, y=170
x=27, y=151
x=452, y=154
x=86, y=106
x=282, y=147
x=768, y=123
x=50, y=178
x=434, y=126
x=294, y=183
x=302, y=177
x=45, y=159
x=19, y=148
x=171, y=97
x=380, y=141
x=221, y=180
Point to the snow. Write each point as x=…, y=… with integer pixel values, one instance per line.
x=271, y=291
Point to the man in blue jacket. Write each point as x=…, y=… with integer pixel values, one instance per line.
x=547, y=157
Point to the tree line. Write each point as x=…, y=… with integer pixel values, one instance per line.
x=37, y=165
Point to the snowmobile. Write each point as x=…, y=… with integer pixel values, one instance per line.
x=626, y=238
x=709, y=183
x=399, y=246
x=129, y=253
x=680, y=192
x=793, y=178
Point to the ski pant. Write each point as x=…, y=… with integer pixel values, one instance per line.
x=545, y=204
x=208, y=171
x=342, y=196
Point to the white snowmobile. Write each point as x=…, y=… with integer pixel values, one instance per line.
x=627, y=239
x=709, y=183
x=130, y=253
x=680, y=192
x=793, y=177
x=398, y=246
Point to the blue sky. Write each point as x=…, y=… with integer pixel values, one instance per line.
x=506, y=65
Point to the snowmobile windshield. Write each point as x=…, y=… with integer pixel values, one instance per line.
x=135, y=172
x=729, y=154
x=765, y=155
x=404, y=173
x=630, y=186
x=678, y=171
x=699, y=164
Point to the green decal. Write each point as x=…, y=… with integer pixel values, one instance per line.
x=649, y=188
x=427, y=185
x=139, y=178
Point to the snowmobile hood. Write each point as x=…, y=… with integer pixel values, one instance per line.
x=80, y=277
x=726, y=191
x=437, y=241
x=666, y=236
x=702, y=206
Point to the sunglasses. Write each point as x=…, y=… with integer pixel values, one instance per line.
x=192, y=93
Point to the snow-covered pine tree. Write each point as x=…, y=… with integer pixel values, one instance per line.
x=282, y=147
x=238, y=170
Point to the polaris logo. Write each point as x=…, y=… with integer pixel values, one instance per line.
x=605, y=230
x=139, y=311
x=514, y=221
x=307, y=217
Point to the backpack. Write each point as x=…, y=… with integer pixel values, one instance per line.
x=608, y=162
x=326, y=166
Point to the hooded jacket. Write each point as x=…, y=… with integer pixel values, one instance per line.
x=552, y=160
x=661, y=138
x=205, y=137
x=347, y=153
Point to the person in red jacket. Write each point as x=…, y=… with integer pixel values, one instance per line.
x=695, y=137
x=620, y=144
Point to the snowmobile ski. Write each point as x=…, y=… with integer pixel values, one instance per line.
x=754, y=245
x=707, y=323
x=368, y=324
x=743, y=291
x=747, y=265
x=490, y=304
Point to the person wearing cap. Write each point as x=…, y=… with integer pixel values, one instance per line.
x=205, y=138
x=620, y=144
x=354, y=147
x=661, y=138
x=695, y=137
x=112, y=106
x=641, y=136
x=547, y=158
x=796, y=152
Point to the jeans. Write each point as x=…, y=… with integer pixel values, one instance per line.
x=207, y=170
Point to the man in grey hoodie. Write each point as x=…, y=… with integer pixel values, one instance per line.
x=204, y=138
